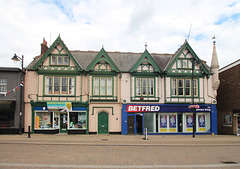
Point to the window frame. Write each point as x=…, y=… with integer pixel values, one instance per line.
x=3, y=85
x=59, y=86
x=139, y=90
x=175, y=87
x=183, y=63
x=57, y=60
x=105, y=88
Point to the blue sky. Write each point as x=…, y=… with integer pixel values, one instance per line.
x=120, y=25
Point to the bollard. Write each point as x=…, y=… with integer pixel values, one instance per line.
x=29, y=132
x=145, y=134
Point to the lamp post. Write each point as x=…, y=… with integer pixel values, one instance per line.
x=193, y=109
x=16, y=58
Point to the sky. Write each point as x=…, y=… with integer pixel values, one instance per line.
x=120, y=25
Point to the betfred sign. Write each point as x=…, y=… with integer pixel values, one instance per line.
x=142, y=108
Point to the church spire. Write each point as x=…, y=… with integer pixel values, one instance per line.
x=214, y=68
x=214, y=64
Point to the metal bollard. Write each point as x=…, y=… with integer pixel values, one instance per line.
x=145, y=134
x=29, y=131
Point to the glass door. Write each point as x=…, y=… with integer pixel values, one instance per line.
x=63, y=122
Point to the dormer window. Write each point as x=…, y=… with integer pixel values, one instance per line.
x=60, y=60
x=184, y=64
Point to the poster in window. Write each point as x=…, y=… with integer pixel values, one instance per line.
x=163, y=121
x=201, y=120
x=172, y=121
x=189, y=121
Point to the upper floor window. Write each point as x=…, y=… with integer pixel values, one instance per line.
x=60, y=60
x=184, y=64
x=3, y=85
x=60, y=85
x=103, y=86
x=182, y=87
x=144, y=86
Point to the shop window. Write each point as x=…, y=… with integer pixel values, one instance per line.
x=43, y=120
x=227, y=119
x=60, y=85
x=144, y=87
x=6, y=118
x=183, y=87
x=78, y=120
x=3, y=85
x=103, y=86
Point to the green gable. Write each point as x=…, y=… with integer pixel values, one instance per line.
x=145, y=57
x=102, y=56
x=54, y=46
x=180, y=51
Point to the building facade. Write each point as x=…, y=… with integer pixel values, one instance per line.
x=119, y=93
x=228, y=100
x=11, y=115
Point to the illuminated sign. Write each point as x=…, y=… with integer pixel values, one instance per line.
x=142, y=108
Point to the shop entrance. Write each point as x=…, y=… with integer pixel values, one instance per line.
x=130, y=125
x=103, y=123
x=139, y=124
x=63, y=122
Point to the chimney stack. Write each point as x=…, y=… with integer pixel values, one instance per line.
x=44, y=47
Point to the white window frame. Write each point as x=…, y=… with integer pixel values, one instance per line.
x=102, y=86
x=140, y=87
x=3, y=85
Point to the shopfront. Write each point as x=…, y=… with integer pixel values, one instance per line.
x=168, y=119
x=60, y=117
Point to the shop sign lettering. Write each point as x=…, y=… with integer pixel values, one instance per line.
x=142, y=108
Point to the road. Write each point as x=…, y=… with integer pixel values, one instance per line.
x=96, y=152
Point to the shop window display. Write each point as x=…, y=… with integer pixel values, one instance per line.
x=43, y=120
x=77, y=120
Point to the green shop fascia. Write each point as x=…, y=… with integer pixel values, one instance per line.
x=60, y=117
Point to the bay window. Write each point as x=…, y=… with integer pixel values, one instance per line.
x=103, y=86
x=144, y=86
x=183, y=87
x=59, y=85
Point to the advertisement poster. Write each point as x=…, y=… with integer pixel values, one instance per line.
x=172, y=121
x=163, y=121
x=201, y=120
x=189, y=121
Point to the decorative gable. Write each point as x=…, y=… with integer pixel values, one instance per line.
x=145, y=64
x=181, y=63
x=103, y=63
x=57, y=58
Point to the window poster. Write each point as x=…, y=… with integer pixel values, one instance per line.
x=201, y=120
x=189, y=121
x=163, y=121
x=172, y=121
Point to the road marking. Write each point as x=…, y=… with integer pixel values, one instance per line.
x=119, y=166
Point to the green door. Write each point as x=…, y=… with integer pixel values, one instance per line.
x=63, y=123
x=102, y=123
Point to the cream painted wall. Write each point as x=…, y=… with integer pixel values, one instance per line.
x=114, y=120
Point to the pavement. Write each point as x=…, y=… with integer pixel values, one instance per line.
x=119, y=151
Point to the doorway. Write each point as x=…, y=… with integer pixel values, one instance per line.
x=63, y=122
x=130, y=125
x=180, y=122
x=139, y=124
x=103, y=123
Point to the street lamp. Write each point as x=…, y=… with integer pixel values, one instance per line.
x=16, y=58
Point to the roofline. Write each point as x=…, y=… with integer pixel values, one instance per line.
x=10, y=69
x=91, y=51
x=235, y=63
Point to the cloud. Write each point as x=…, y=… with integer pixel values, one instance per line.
x=120, y=25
